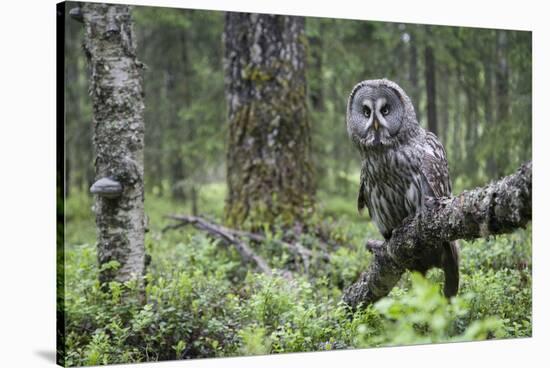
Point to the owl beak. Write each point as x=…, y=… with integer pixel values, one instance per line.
x=376, y=124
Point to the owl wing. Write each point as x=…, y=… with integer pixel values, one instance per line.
x=435, y=169
x=361, y=199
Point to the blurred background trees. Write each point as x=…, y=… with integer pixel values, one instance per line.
x=472, y=85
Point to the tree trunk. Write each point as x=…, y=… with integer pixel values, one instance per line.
x=430, y=89
x=67, y=179
x=116, y=90
x=472, y=124
x=180, y=132
x=316, y=66
x=194, y=201
x=503, y=104
x=503, y=99
x=490, y=164
x=497, y=208
x=269, y=170
x=455, y=154
x=444, y=111
x=177, y=173
x=413, y=75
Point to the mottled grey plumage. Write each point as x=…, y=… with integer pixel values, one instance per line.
x=402, y=164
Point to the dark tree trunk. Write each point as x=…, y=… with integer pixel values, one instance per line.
x=503, y=104
x=488, y=86
x=497, y=208
x=488, y=71
x=67, y=180
x=185, y=131
x=429, y=60
x=116, y=90
x=173, y=131
x=316, y=66
x=177, y=176
x=155, y=131
x=456, y=152
x=444, y=111
x=472, y=123
x=503, y=98
x=413, y=76
x=194, y=201
x=475, y=95
x=269, y=171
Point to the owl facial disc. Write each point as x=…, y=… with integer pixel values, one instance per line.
x=377, y=110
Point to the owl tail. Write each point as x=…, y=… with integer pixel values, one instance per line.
x=449, y=263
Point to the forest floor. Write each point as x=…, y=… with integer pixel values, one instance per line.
x=202, y=301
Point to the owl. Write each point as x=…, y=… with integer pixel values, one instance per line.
x=402, y=165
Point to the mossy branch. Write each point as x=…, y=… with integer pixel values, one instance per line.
x=499, y=207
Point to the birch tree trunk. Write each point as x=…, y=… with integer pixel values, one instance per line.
x=116, y=90
x=269, y=170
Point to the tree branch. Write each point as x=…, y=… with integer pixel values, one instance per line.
x=234, y=236
x=498, y=208
x=224, y=233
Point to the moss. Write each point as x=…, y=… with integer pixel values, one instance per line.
x=269, y=169
x=256, y=74
x=258, y=194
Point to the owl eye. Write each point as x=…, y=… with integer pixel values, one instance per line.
x=385, y=110
x=366, y=111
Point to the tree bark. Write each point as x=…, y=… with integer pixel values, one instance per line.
x=497, y=208
x=269, y=169
x=430, y=89
x=116, y=90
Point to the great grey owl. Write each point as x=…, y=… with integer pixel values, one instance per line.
x=402, y=164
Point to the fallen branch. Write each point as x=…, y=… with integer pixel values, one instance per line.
x=224, y=233
x=295, y=248
x=498, y=208
x=234, y=237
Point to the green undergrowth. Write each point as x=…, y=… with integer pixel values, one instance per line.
x=202, y=301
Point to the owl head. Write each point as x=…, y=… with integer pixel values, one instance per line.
x=379, y=114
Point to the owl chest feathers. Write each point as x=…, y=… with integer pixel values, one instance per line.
x=392, y=187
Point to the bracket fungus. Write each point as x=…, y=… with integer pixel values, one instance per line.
x=106, y=187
